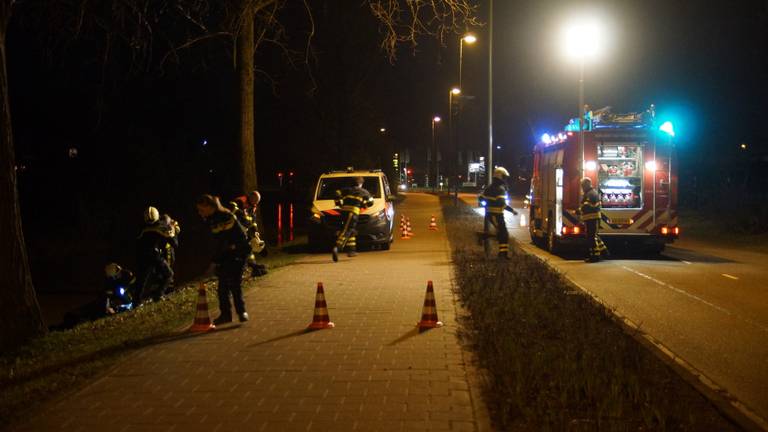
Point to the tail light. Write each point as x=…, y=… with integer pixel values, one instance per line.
x=664, y=230
x=576, y=230
x=676, y=230
x=571, y=230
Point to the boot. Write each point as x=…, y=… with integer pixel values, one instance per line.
x=335, y=254
x=351, y=253
x=243, y=316
x=224, y=318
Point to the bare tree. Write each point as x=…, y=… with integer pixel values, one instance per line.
x=20, y=316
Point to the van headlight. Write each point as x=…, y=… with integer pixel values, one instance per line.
x=379, y=215
x=317, y=216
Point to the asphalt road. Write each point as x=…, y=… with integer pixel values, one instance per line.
x=706, y=304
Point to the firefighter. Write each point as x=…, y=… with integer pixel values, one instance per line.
x=351, y=200
x=172, y=229
x=590, y=212
x=238, y=208
x=229, y=258
x=118, y=288
x=154, y=254
x=494, y=199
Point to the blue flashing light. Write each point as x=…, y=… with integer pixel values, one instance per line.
x=483, y=203
x=122, y=291
x=546, y=139
x=668, y=128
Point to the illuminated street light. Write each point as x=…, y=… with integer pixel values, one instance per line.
x=455, y=91
x=382, y=130
x=468, y=39
x=743, y=146
x=583, y=39
x=435, y=120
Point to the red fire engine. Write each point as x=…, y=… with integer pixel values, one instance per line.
x=630, y=159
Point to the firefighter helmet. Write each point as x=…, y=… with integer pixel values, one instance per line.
x=500, y=172
x=586, y=181
x=112, y=270
x=151, y=215
x=254, y=197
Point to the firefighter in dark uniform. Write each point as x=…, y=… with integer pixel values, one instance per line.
x=228, y=261
x=238, y=208
x=495, y=198
x=118, y=288
x=351, y=200
x=591, y=213
x=154, y=254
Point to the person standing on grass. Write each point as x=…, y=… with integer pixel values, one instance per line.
x=228, y=263
x=591, y=213
x=495, y=199
x=154, y=247
x=351, y=200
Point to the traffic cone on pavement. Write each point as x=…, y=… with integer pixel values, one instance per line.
x=429, y=311
x=320, y=319
x=408, y=228
x=202, y=321
x=433, y=224
x=404, y=234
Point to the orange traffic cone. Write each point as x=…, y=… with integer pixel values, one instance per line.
x=320, y=320
x=404, y=234
x=408, y=228
x=202, y=321
x=429, y=312
x=433, y=224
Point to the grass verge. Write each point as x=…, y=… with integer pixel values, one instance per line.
x=709, y=229
x=553, y=359
x=63, y=361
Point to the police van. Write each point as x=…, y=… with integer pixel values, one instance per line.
x=375, y=224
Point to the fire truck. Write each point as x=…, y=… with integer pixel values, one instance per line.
x=630, y=159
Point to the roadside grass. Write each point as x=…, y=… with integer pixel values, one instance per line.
x=554, y=360
x=710, y=229
x=63, y=361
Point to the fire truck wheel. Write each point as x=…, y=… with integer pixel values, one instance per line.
x=553, y=246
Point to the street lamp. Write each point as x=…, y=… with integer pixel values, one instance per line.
x=454, y=92
x=435, y=119
x=469, y=39
x=583, y=40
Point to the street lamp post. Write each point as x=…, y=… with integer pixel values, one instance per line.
x=489, y=166
x=583, y=40
x=435, y=119
x=469, y=39
x=453, y=92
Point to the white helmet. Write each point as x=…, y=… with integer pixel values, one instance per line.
x=500, y=172
x=112, y=270
x=151, y=215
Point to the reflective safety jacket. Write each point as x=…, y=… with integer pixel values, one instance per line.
x=590, y=205
x=230, y=235
x=495, y=197
x=354, y=198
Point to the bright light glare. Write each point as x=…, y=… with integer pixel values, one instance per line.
x=436, y=119
x=382, y=130
x=668, y=128
x=469, y=38
x=590, y=165
x=456, y=90
x=546, y=138
x=584, y=38
x=650, y=165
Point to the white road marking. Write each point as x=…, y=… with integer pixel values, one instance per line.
x=730, y=276
x=686, y=262
x=695, y=297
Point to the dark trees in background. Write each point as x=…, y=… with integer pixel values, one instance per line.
x=20, y=316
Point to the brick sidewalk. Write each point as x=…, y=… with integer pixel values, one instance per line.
x=374, y=371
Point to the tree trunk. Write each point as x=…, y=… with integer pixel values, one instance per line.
x=247, y=155
x=20, y=317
